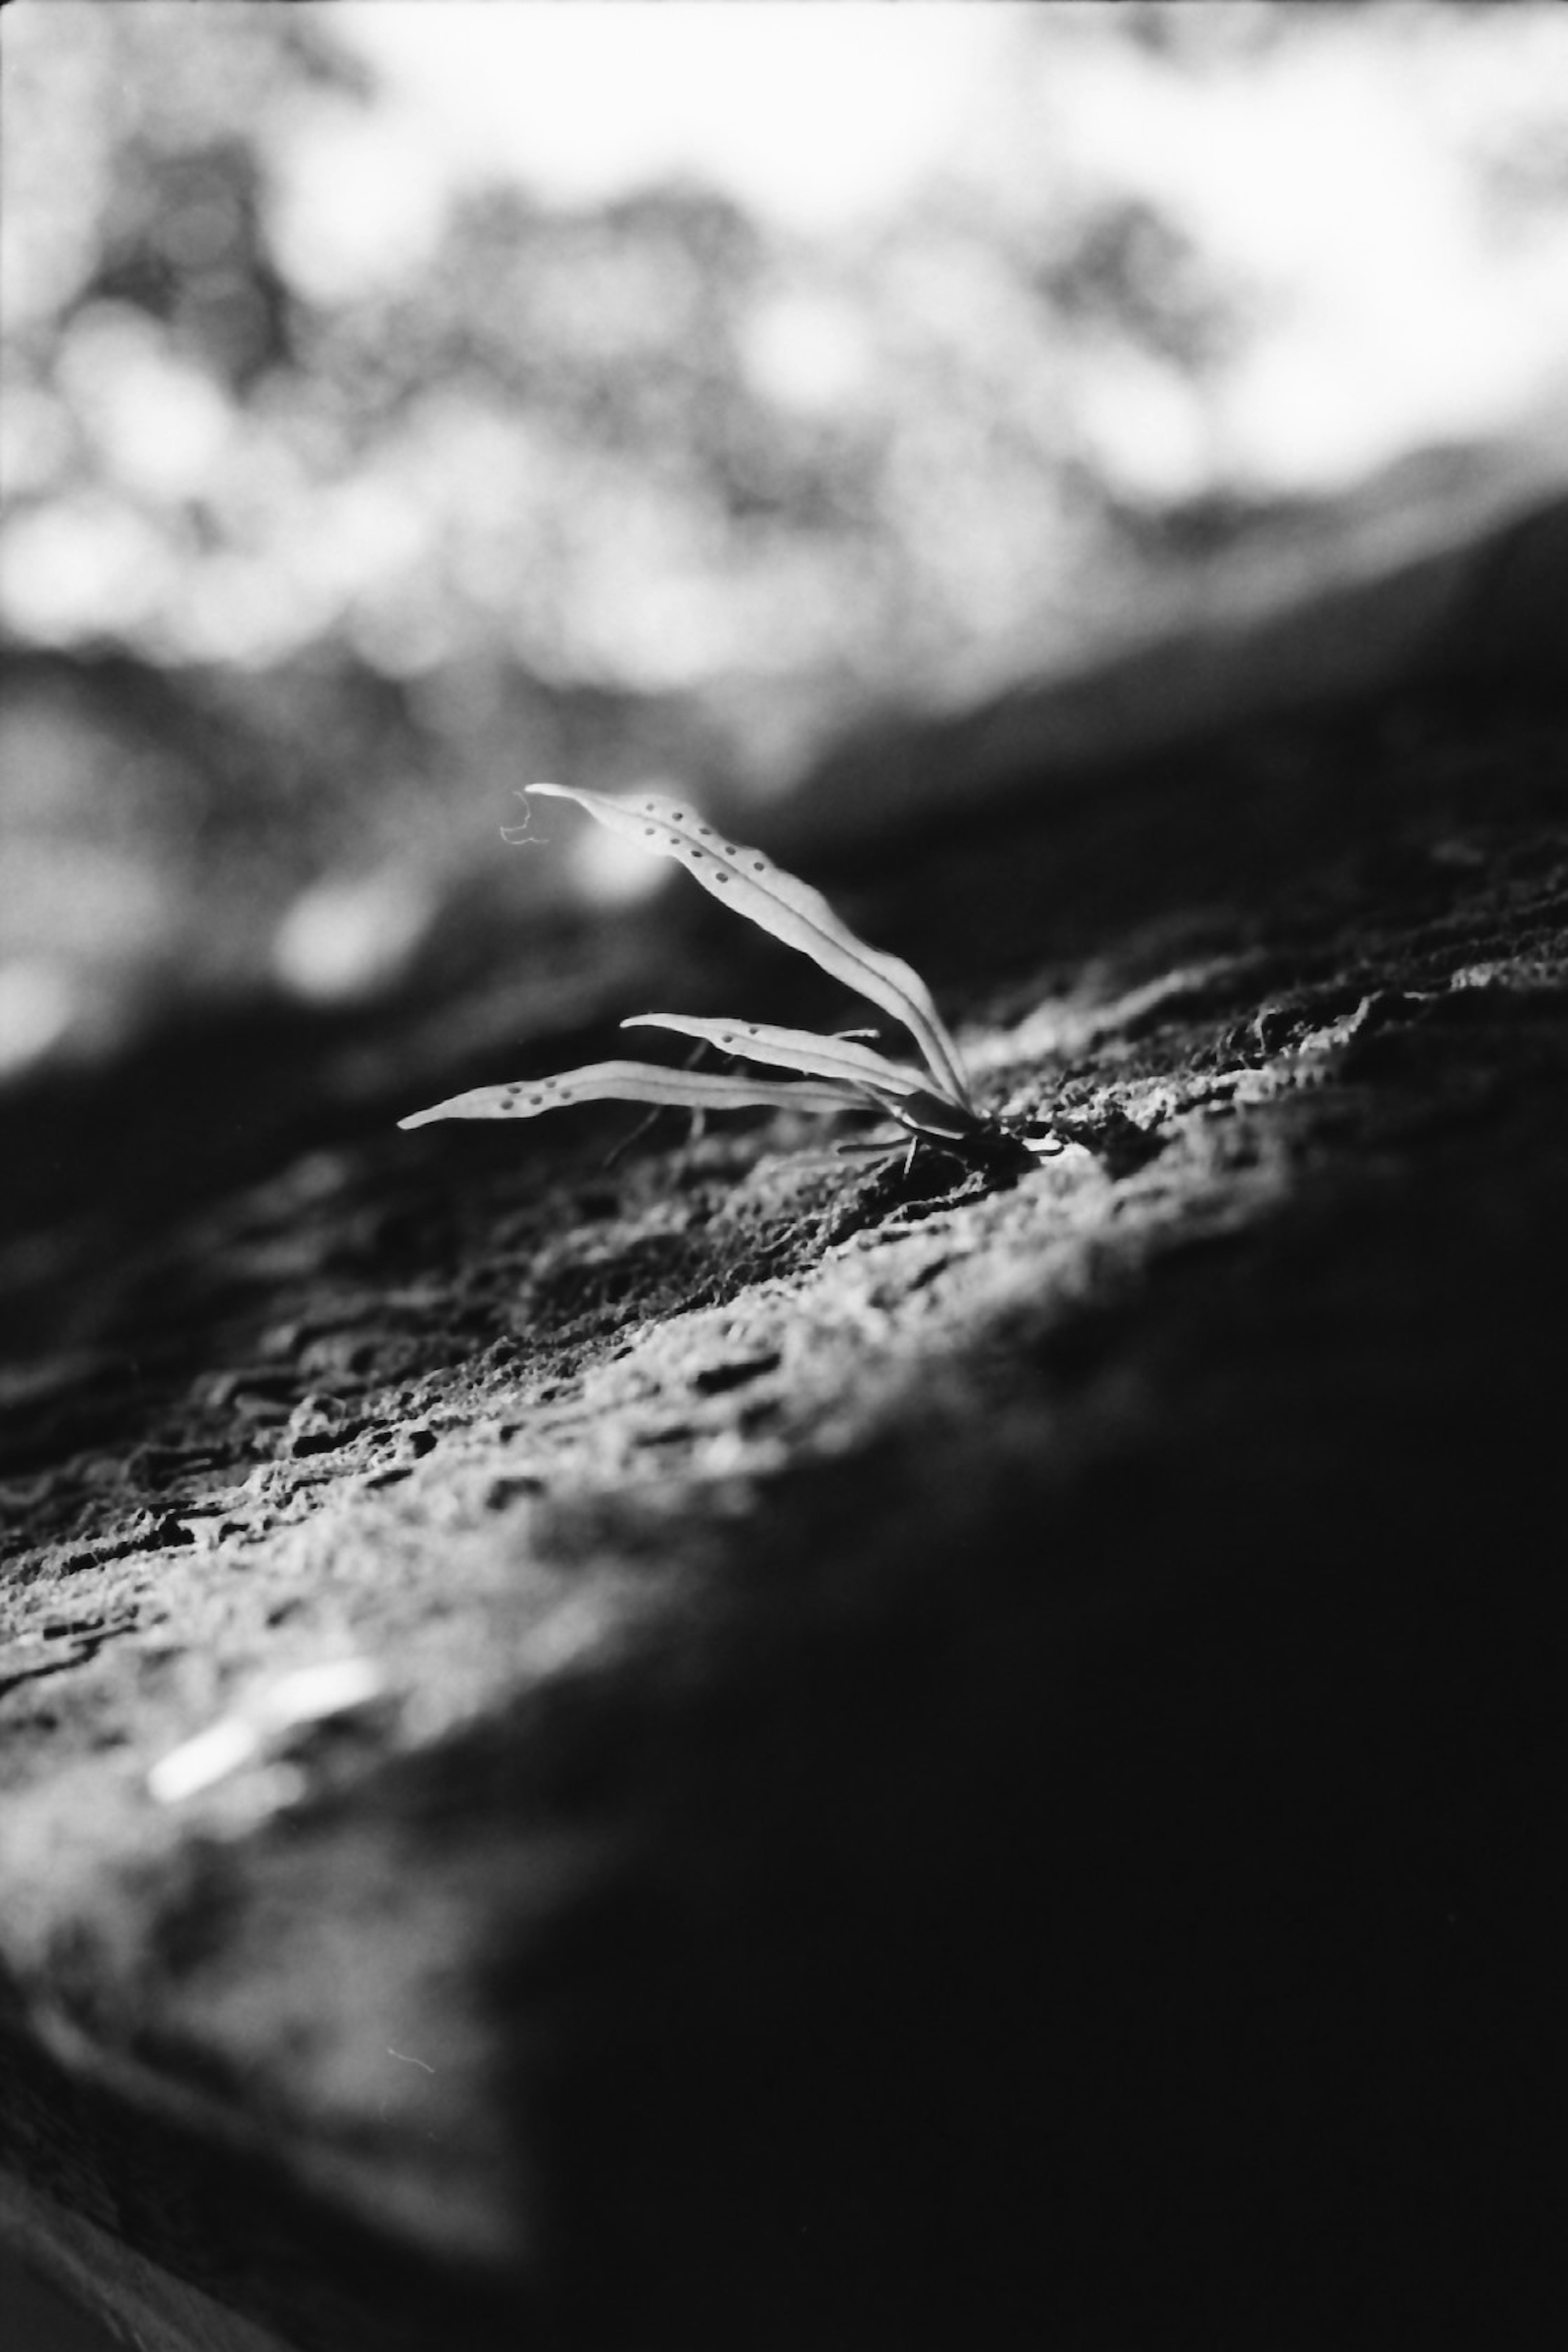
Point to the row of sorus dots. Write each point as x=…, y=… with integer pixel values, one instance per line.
x=678, y=816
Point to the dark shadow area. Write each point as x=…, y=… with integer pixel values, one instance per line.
x=33, y=2319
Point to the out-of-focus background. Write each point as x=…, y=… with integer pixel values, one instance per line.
x=402, y=402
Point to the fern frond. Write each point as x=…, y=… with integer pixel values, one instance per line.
x=638, y=1082
x=794, y=1049
x=791, y=909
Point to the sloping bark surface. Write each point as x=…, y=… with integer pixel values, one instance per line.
x=936, y=1758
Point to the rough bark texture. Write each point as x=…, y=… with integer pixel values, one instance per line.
x=956, y=1759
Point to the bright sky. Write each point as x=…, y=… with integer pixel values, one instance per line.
x=814, y=116
x=1338, y=178
x=811, y=113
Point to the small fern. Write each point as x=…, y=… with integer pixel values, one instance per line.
x=835, y=1075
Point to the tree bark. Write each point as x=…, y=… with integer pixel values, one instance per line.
x=918, y=1755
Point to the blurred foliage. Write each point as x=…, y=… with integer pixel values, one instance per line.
x=641, y=443
x=310, y=560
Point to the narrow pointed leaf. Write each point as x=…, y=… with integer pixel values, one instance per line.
x=794, y=1049
x=791, y=909
x=638, y=1082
